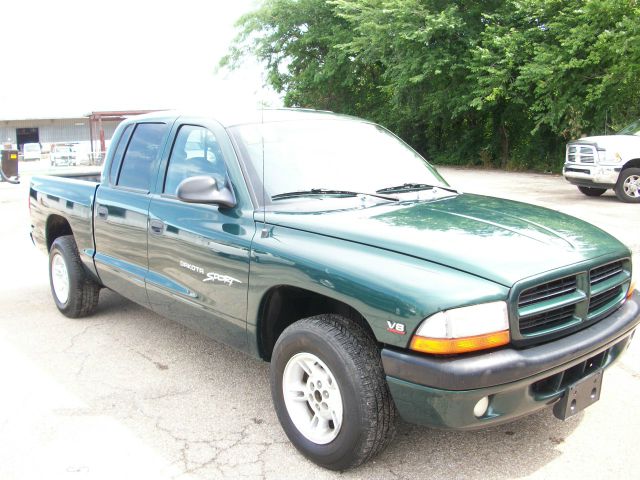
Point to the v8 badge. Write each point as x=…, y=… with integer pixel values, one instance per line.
x=396, y=327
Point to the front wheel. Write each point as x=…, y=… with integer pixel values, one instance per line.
x=592, y=191
x=330, y=393
x=628, y=186
x=74, y=292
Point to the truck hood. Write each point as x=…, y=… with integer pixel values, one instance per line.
x=611, y=142
x=500, y=240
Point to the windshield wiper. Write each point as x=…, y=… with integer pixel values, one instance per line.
x=326, y=191
x=412, y=187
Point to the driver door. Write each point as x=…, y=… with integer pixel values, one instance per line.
x=199, y=253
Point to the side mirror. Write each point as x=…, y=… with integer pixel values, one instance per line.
x=204, y=189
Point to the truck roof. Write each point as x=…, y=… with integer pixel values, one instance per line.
x=241, y=117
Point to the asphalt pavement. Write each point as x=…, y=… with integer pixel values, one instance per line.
x=127, y=394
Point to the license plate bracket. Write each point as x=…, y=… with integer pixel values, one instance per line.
x=579, y=396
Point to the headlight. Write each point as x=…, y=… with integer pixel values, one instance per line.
x=610, y=156
x=464, y=329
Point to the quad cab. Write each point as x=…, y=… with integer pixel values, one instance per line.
x=328, y=247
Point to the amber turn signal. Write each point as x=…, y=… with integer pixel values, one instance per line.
x=632, y=287
x=448, y=346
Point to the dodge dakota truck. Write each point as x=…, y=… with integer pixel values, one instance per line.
x=327, y=246
x=596, y=164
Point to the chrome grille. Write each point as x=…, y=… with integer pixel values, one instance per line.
x=572, y=301
x=581, y=154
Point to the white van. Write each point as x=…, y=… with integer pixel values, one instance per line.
x=31, y=151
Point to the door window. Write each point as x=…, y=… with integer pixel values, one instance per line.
x=195, y=152
x=140, y=161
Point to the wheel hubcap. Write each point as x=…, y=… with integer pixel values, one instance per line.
x=632, y=186
x=312, y=398
x=60, y=278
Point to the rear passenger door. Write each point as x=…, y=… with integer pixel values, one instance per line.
x=122, y=208
x=199, y=253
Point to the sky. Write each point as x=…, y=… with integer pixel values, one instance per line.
x=66, y=58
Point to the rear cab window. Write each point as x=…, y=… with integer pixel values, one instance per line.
x=140, y=162
x=116, y=161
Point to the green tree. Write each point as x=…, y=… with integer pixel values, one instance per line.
x=503, y=83
x=570, y=66
x=297, y=42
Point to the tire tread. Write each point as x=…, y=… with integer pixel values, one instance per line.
x=619, y=189
x=361, y=349
x=84, y=292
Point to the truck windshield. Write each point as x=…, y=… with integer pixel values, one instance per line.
x=335, y=155
x=631, y=129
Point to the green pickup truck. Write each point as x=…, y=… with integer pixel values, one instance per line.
x=325, y=245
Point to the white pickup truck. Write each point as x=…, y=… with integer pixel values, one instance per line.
x=62, y=154
x=596, y=164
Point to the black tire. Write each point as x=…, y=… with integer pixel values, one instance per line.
x=592, y=191
x=83, y=291
x=625, y=191
x=352, y=356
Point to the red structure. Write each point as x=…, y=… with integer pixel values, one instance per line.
x=96, y=130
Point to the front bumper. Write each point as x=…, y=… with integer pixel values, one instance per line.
x=442, y=392
x=591, y=175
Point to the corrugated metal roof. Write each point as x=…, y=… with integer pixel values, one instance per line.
x=31, y=113
x=4, y=117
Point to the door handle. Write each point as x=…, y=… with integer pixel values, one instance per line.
x=103, y=212
x=156, y=226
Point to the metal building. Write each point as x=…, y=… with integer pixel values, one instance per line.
x=96, y=127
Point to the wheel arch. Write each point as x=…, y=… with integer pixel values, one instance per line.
x=285, y=304
x=635, y=163
x=57, y=226
x=633, y=195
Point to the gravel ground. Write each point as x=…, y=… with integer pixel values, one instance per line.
x=126, y=394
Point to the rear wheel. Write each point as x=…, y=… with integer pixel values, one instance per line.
x=628, y=186
x=592, y=191
x=330, y=392
x=74, y=292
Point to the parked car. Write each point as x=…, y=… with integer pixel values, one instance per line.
x=325, y=245
x=31, y=151
x=596, y=164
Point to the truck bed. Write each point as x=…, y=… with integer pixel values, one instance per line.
x=64, y=197
x=91, y=174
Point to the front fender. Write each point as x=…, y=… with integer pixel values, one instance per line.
x=381, y=285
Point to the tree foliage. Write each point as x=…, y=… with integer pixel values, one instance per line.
x=502, y=83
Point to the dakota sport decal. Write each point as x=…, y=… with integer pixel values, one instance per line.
x=216, y=277
x=210, y=276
